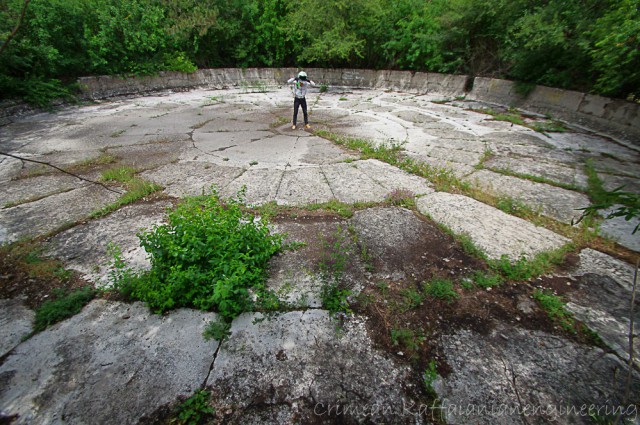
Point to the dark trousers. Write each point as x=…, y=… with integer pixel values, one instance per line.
x=297, y=103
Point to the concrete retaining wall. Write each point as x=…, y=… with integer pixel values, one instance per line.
x=618, y=118
x=615, y=117
x=418, y=82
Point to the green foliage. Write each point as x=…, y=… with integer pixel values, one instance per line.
x=524, y=269
x=407, y=338
x=486, y=280
x=588, y=45
x=429, y=376
x=208, y=256
x=218, y=330
x=118, y=174
x=441, y=289
x=411, y=299
x=554, y=306
x=136, y=189
x=335, y=299
x=63, y=305
x=195, y=409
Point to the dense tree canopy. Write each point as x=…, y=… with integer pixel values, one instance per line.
x=589, y=45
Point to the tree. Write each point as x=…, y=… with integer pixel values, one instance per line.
x=616, y=51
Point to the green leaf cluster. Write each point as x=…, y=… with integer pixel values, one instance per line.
x=63, y=305
x=209, y=255
x=588, y=45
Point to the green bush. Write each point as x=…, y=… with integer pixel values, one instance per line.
x=64, y=305
x=208, y=256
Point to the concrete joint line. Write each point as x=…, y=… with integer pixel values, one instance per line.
x=326, y=180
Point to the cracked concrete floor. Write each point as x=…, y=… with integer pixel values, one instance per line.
x=116, y=363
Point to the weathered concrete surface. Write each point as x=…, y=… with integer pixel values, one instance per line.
x=85, y=248
x=560, y=204
x=240, y=137
x=112, y=363
x=621, y=230
x=48, y=214
x=15, y=324
x=495, y=232
x=603, y=300
x=496, y=376
x=295, y=367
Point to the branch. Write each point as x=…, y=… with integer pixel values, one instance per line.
x=15, y=30
x=64, y=171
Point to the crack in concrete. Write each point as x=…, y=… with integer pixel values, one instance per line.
x=213, y=363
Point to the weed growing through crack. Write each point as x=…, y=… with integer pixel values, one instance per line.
x=392, y=153
x=524, y=269
x=218, y=330
x=336, y=251
x=195, y=409
x=410, y=299
x=407, y=338
x=136, y=190
x=441, y=289
x=553, y=305
x=429, y=376
x=120, y=174
x=486, y=279
x=63, y=305
x=208, y=255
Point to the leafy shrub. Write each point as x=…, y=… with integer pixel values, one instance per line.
x=64, y=305
x=208, y=256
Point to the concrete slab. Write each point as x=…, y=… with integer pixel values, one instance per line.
x=496, y=376
x=350, y=185
x=112, y=363
x=261, y=185
x=15, y=323
x=192, y=178
x=458, y=169
x=553, y=171
x=621, y=230
x=219, y=141
x=84, y=248
x=30, y=189
x=50, y=213
x=306, y=366
x=560, y=204
x=392, y=178
x=492, y=230
x=303, y=186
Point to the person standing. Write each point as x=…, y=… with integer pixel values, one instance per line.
x=300, y=84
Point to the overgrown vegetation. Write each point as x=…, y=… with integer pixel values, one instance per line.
x=63, y=305
x=336, y=250
x=209, y=255
x=553, y=305
x=588, y=46
x=136, y=188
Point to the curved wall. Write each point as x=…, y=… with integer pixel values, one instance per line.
x=617, y=118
